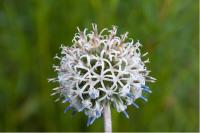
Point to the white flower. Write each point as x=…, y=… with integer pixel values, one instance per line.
x=100, y=68
x=94, y=93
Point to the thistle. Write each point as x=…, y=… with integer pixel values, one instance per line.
x=101, y=70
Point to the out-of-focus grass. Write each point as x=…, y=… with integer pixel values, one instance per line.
x=31, y=32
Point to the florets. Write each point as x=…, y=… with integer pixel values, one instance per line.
x=99, y=68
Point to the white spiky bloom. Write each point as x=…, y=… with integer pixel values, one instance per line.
x=99, y=68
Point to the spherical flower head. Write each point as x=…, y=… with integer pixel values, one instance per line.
x=100, y=68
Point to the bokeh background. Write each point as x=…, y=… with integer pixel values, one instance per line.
x=31, y=32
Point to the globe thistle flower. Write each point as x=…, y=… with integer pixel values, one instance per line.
x=101, y=69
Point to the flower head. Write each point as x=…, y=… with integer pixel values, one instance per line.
x=101, y=67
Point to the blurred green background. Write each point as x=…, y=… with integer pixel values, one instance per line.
x=31, y=32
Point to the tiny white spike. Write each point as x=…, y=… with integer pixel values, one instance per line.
x=54, y=93
x=145, y=54
x=147, y=61
x=57, y=88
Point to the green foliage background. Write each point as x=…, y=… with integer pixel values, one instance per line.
x=31, y=32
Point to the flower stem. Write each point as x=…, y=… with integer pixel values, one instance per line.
x=107, y=118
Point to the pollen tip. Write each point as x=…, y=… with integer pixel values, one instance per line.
x=66, y=100
x=135, y=105
x=89, y=120
x=67, y=108
x=143, y=98
x=130, y=95
x=126, y=114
